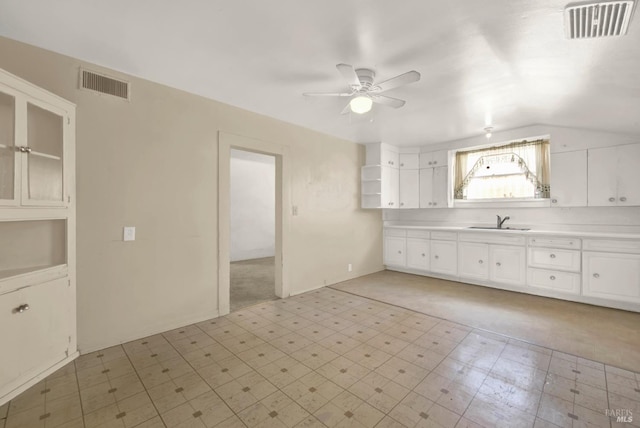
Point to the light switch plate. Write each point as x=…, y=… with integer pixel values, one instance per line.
x=129, y=233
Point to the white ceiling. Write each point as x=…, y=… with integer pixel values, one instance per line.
x=503, y=63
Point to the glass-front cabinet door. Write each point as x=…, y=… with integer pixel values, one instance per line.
x=8, y=159
x=42, y=165
x=32, y=136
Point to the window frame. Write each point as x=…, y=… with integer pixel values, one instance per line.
x=531, y=202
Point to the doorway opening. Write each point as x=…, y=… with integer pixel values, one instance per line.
x=253, y=243
x=280, y=154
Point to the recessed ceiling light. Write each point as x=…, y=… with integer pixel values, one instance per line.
x=487, y=131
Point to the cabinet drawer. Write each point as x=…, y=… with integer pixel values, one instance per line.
x=395, y=232
x=565, y=282
x=552, y=242
x=610, y=245
x=493, y=238
x=554, y=258
x=412, y=233
x=444, y=236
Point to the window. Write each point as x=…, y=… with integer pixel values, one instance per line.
x=518, y=170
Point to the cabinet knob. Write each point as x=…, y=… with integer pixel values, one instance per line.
x=24, y=149
x=430, y=163
x=401, y=164
x=399, y=252
x=20, y=309
x=552, y=278
x=435, y=162
x=430, y=203
x=436, y=257
x=480, y=261
x=553, y=256
x=623, y=199
x=402, y=204
x=554, y=201
x=596, y=275
x=612, y=199
x=498, y=264
x=435, y=203
x=424, y=255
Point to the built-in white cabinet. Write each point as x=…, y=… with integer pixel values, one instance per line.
x=433, y=187
x=433, y=159
x=37, y=234
x=473, y=260
x=611, y=269
x=409, y=160
x=444, y=253
x=395, y=243
x=418, y=253
x=597, y=271
x=380, y=187
x=409, y=189
x=554, y=264
x=389, y=179
x=613, y=176
x=507, y=264
x=569, y=179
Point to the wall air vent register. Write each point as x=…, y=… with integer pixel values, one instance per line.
x=104, y=84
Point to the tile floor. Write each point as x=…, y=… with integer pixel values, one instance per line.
x=327, y=358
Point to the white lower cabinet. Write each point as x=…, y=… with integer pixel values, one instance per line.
x=37, y=324
x=473, y=260
x=611, y=276
x=566, y=282
x=418, y=253
x=444, y=257
x=394, y=251
x=507, y=264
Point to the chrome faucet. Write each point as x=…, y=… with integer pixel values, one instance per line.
x=501, y=221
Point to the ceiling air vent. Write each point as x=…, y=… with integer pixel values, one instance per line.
x=104, y=84
x=582, y=20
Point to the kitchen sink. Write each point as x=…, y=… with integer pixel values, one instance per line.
x=496, y=228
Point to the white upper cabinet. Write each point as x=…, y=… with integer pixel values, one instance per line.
x=409, y=161
x=409, y=188
x=433, y=159
x=569, y=179
x=433, y=187
x=382, y=154
x=34, y=135
x=613, y=176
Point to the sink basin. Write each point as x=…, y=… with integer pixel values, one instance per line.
x=495, y=228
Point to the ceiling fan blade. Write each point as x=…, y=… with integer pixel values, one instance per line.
x=349, y=73
x=388, y=101
x=327, y=94
x=394, y=82
x=346, y=109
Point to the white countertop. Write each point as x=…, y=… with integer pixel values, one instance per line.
x=530, y=232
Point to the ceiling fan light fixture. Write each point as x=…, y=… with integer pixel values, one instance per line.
x=361, y=104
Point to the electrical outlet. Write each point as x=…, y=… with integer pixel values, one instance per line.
x=129, y=233
x=349, y=267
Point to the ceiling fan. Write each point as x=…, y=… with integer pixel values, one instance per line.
x=363, y=91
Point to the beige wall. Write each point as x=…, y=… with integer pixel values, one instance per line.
x=152, y=163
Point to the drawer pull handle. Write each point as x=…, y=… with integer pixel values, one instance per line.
x=554, y=201
x=20, y=309
x=552, y=278
x=480, y=261
x=498, y=264
x=553, y=256
x=612, y=199
x=596, y=275
x=623, y=199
